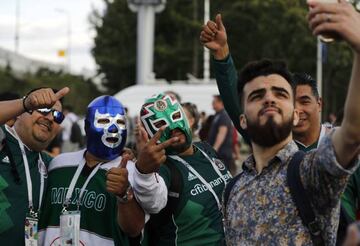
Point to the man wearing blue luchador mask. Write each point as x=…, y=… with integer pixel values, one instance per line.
x=94, y=196
x=194, y=175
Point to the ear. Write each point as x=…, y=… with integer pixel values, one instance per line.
x=296, y=117
x=243, y=121
x=320, y=103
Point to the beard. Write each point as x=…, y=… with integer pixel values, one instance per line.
x=269, y=134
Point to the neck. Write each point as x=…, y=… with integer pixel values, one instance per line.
x=91, y=160
x=263, y=155
x=189, y=151
x=309, y=137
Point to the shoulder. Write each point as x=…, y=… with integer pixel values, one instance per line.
x=70, y=159
x=46, y=158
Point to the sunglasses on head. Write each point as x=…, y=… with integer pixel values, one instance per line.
x=58, y=116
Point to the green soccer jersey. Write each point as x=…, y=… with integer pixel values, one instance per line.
x=98, y=223
x=13, y=193
x=197, y=219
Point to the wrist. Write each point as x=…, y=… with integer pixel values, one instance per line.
x=222, y=53
x=127, y=196
x=26, y=109
x=141, y=170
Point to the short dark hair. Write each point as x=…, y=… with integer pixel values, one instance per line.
x=192, y=108
x=218, y=97
x=263, y=67
x=306, y=79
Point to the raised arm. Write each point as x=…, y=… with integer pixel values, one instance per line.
x=214, y=37
x=41, y=98
x=341, y=18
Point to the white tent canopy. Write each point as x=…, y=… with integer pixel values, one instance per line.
x=200, y=94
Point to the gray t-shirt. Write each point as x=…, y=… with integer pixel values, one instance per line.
x=222, y=119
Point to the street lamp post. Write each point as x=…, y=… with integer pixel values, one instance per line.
x=206, y=51
x=68, y=34
x=146, y=10
x=17, y=25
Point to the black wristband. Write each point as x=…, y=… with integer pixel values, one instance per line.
x=23, y=103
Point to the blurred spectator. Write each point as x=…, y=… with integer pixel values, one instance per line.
x=174, y=95
x=331, y=118
x=71, y=132
x=6, y=96
x=205, y=128
x=130, y=125
x=54, y=147
x=221, y=134
x=193, y=117
x=339, y=117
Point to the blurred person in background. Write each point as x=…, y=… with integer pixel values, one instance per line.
x=193, y=117
x=71, y=131
x=221, y=134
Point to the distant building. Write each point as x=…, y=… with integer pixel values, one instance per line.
x=21, y=64
x=200, y=94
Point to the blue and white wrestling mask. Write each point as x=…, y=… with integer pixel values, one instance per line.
x=105, y=127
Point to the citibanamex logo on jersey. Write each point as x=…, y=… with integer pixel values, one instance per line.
x=219, y=164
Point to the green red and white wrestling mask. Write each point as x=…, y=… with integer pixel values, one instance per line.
x=164, y=110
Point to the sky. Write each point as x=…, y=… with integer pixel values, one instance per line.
x=43, y=30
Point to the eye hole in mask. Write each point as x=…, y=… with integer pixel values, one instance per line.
x=103, y=121
x=120, y=122
x=176, y=115
x=160, y=123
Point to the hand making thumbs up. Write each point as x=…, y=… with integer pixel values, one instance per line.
x=43, y=98
x=117, y=179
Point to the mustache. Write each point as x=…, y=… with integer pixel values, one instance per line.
x=46, y=122
x=266, y=107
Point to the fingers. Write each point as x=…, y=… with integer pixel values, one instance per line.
x=141, y=136
x=327, y=8
x=210, y=28
x=157, y=135
x=61, y=93
x=124, y=161
x=219, y=22
x=117, y=180
x=204, y=37
x=40, y=98
x=167, y=143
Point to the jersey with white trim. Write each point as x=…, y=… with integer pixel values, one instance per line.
x=14, y=202
x=197, y=219
x=98, y=223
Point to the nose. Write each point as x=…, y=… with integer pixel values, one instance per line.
x=269, y=99
x=113, y=129
x=49, y=116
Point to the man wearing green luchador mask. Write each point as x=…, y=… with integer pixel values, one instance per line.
x=194, y=176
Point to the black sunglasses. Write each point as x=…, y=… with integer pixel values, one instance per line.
x=58, y=116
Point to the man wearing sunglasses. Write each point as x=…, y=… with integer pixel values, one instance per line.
x=23, y=166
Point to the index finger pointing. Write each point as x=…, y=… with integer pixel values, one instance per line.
x=157, y=135
x=61, y=93
x=167, y=143
x=123, y=162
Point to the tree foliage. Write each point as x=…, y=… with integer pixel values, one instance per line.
x=256, y=29
x=82, y=90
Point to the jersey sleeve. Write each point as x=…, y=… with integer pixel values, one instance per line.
x=226, y=80
x=150, y=189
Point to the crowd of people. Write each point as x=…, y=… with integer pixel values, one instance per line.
x=171, y=178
